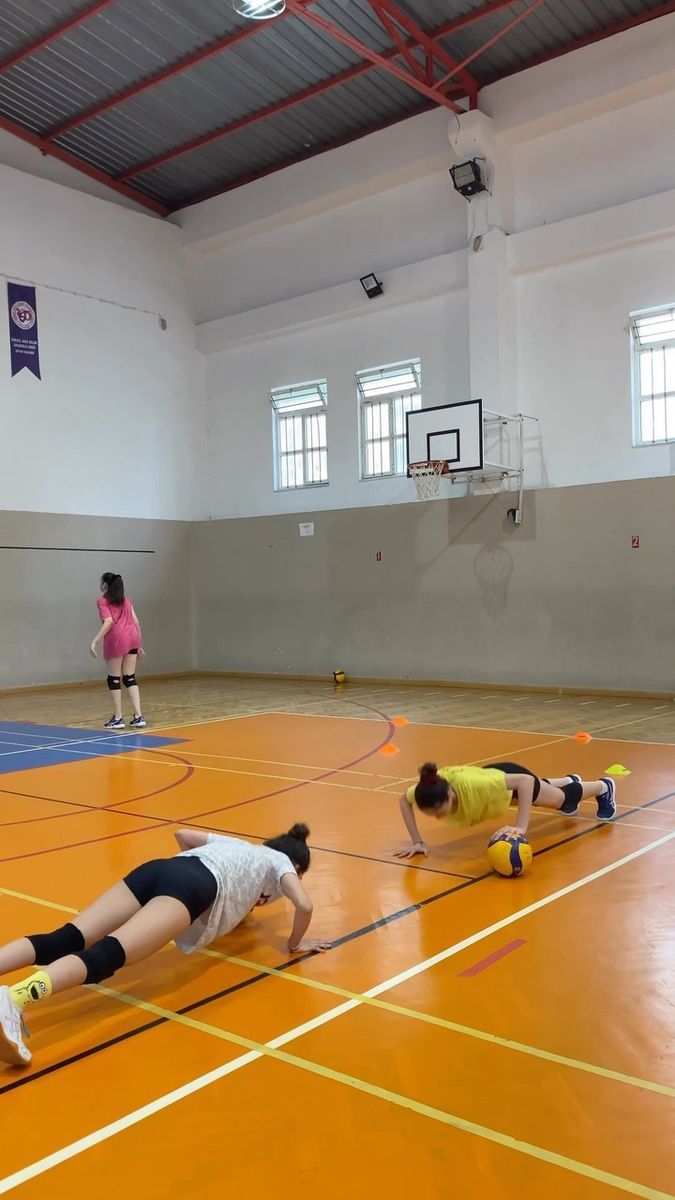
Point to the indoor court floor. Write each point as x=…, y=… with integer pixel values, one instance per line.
x=467, y=1035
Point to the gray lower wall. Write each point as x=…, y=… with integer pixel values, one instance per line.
x=48, y=596
x=460, y=594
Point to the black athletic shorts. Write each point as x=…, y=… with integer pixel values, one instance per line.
x=184, y=879
x=510, y=768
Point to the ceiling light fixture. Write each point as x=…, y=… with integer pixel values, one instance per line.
x=259, y=10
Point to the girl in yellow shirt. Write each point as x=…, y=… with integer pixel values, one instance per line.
x=468, y=795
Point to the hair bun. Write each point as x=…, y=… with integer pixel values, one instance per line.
x=299, y=831
x=429, y=769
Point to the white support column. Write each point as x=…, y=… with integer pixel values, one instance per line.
x=492, y=299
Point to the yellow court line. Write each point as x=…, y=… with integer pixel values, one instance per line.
x=263, y=712
x=622, y=725
x=36, y=900
x=135, y=757
x=131, y=1119
x=412, y=721
x=453, y=1026
x=474, y=762
x=267, y=1050
x=398, y=1009
x=274, y=762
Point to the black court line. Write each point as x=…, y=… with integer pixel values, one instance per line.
x=342, y=941
x=388, y=862
x=80, y=549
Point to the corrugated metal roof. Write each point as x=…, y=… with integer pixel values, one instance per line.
x=127, y=42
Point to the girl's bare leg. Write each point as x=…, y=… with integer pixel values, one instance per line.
x=106, y=913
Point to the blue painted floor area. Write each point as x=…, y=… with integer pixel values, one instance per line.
x=24, y=746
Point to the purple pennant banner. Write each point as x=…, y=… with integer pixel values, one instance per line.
x=23, y=329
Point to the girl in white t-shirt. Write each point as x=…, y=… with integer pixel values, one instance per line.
x=192, y=899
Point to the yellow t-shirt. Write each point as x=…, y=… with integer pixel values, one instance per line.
x=481, y=794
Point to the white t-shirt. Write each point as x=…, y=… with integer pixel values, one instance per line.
x=243, y=873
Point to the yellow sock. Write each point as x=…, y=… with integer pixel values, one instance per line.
x=28, y=991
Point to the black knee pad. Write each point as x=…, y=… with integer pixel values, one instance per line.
x=129, y=680
x=103, y=959
x=572, y=793
x=114, y=683
x=50, y=946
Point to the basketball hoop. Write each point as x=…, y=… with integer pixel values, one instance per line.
x=427, y=476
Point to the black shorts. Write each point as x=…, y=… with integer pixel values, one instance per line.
x=184, y=879
x=510, y=768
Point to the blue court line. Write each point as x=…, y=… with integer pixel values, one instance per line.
x=61, y=745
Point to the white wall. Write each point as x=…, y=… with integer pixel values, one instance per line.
x=607, y=160
x=116, y=426
x=403, y=224
x=579, y=231
x=240, y=416
x=574, y=362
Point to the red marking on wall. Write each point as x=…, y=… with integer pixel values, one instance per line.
x=635, y=542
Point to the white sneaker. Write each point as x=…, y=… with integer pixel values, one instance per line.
x=13, y=1050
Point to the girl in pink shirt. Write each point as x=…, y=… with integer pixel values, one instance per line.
x=122, y=643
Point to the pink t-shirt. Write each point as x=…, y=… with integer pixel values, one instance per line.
x=125, y=634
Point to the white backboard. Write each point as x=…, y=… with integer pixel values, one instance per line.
x=453, y=432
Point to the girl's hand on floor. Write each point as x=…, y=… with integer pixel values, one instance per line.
x=311, y=946
x=411, y=851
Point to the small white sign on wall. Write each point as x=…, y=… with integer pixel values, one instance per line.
x=306, y=528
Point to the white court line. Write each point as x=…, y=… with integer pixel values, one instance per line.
x=273, y=762
x=40, y=737
x=42, y=1165
x=57, y=746
x=434, y=724
x=563, y=737
x=100, y=738
x=262, y=712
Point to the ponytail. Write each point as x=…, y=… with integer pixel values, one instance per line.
x=432, y=790
x=294, y=845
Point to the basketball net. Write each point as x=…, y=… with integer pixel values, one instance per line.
x=427, y=476
x=493, y=567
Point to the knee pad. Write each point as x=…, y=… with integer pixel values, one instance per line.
x=50, y=946
x=114, y=684
x=103, y=959
x=572, y=793
x=129, y=680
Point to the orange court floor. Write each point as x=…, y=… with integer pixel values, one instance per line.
x=467, y=1035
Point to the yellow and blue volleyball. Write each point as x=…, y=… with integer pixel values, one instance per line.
x=339, y=675
x=509, y=855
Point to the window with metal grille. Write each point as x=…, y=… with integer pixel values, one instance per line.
x=301, y=449
x=653, y=344
x=386, y=394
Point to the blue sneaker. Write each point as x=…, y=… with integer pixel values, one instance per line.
x=114, y=723
x=606, y=800
x=570, y=807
